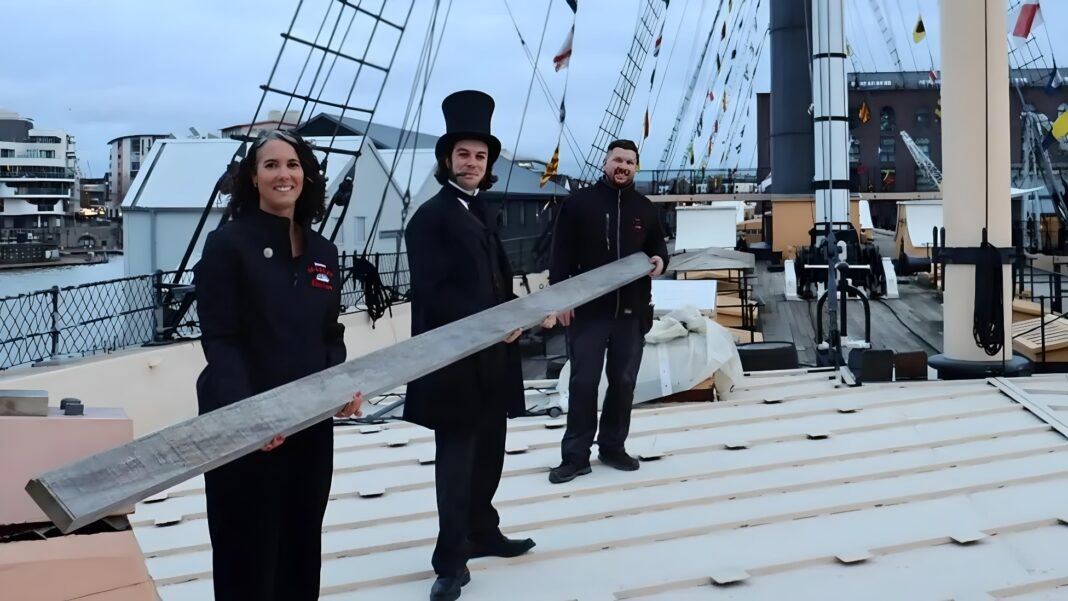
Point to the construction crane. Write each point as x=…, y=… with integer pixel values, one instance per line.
x=922, y=160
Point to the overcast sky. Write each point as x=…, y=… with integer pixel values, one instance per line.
x=110, y=68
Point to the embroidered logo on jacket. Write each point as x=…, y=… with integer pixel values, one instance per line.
x=322, y=277
x=637, y=225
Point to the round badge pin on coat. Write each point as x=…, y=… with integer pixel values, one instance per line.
x=268, y=252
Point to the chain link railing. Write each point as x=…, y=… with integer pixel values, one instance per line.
x=106, y=316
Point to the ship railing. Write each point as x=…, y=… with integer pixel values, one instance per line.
x=103, y=317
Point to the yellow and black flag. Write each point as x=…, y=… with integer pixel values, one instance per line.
x=551, y=168
x=865, y=113
x=919, y=32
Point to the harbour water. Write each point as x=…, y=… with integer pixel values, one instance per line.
x=22, y=281
x=79, y=319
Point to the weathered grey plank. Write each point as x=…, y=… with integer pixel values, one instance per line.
x=82, y=492
x=25, y=403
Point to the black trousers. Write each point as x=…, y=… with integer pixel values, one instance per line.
x=467, y=470
x=265, y=517
x=589, y=341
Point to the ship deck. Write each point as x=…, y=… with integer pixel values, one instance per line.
x=794, y=488
x=912, y=322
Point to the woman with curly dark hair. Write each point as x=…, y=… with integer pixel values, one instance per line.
x=269, y=297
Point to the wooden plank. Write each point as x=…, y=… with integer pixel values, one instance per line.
x=82, y=492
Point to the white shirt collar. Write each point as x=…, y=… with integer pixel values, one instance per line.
x=462, y=201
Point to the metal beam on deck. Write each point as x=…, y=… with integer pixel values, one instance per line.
x=80, y=493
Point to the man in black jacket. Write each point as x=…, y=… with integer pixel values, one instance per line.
x=459, y=268
x=598, y=225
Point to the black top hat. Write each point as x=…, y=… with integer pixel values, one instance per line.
x=467, y=117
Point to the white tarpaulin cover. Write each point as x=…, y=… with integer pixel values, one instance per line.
x=676, y=364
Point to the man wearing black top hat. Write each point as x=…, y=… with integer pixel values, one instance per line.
x=459, y=268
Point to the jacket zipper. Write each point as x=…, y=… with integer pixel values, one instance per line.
x=619, y=219
x=607, y=242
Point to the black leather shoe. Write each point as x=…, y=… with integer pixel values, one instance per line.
x=566, y=472
x=619, y=460
x=502, y=547
x=447, y=588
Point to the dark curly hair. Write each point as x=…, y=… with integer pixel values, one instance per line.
x=311, y=202
x=443, y=174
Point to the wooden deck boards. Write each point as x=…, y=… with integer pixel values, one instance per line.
x=795, y=321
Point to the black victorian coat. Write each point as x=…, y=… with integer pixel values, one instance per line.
x=459, y=268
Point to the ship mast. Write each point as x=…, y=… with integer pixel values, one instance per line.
x=975, y=142
x=830, y=118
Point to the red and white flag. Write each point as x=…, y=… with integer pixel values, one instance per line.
x=1025, y=18
x=563, y=57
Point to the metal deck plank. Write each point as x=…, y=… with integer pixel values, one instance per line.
x=757, y=496
x=647, y=423
x=354, y=511
x=412, y=505
x=925, y=526
x=929, y=574
x=533, y=518
x=415, y=476
x=807, y=560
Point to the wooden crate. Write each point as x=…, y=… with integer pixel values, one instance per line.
x=1030, y=344
x=1023, y=310
x=731, y=317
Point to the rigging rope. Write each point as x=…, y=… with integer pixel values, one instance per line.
x=570, y=139
x=732, y=128
x=748, y=105
x=329, y=44
x=988, y=318
x=307, y=60
x=723, y=46
x=888, y=36
x=343, y=194
x=905, y=27
x=376, y=296
x=668, y=155
x=725, y=95
x=526, y=103
x=671, y=53
x=859, y=26
x=424, y=67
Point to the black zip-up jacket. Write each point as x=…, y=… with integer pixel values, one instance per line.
x=266, y=318
x=600, y=224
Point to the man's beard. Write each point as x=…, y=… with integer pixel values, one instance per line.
x=626, y=173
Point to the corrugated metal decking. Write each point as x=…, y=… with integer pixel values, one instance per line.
x=941, y=490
